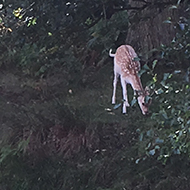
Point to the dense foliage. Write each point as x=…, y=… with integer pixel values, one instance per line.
x=58, y=129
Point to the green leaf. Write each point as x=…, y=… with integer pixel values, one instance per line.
x=159, y=91
x=88, y=21
x=164, y=114
x=172, y=122
x=92, y=42
x=178, y=2
x=117, y=106
x=152, y=152
x=50, y=34
x=146, y=67
x=155, y=78
x=150, y=133
x=136, y=59
x=157, y=147
x=141, y=72
x=177, y=71
x=137, y=161
x=34, y=21
x=159, y=141
x=149, y=145
x=147, y=99
x=154, y=63
x=141, y=137
x=133, y=102
x=164, y=85
x=177, y=151
x=17, y=12
x=167, y=22
x=153, y=50
x=43, y=69
x=5, y=152
x=173, y=7
x=187, y=114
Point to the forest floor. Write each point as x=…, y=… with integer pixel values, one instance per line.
x=64, y=118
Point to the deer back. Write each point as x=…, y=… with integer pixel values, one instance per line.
x=124, y=58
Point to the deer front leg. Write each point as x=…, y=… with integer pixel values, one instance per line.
x=125, y=98
x=116, y=75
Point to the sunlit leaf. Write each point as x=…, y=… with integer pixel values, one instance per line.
x=173, y=7
x=17, y=12
x=50, y=34
x=177, y=71
x=164, y=85
x=155, y=78
x=159, y=91
x=34, y=21
x=107, y=109
x=137, y=161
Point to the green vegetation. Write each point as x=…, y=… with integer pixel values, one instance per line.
x=58, y=129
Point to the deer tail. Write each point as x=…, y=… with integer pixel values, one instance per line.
x=111, y=54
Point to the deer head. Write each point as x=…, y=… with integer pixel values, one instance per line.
x=144, y=100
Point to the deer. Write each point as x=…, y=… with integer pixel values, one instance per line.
x=127, y=67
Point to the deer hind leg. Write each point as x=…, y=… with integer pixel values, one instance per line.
x=116, y=75
x=125, y=98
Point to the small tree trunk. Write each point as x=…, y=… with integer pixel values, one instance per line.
x=151, y=31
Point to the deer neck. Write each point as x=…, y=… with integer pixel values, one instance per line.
x=136, y=85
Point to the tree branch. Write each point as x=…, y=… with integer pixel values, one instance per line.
x=147, y=4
